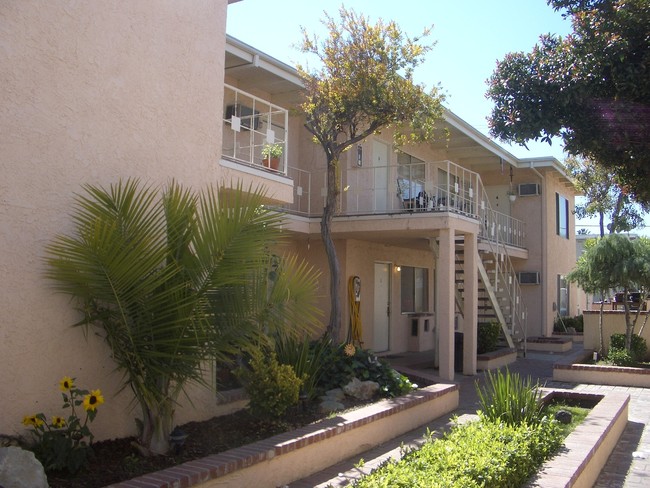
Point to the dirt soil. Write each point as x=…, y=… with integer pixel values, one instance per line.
x=116, y=460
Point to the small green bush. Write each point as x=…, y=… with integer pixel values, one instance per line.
x=576, y=322
x=619, y=357
x=476, y=454
x=307, y=358
x=341, y=365
x=638, y=348
x=487, y=337
x=272, y=387
x=509, y=399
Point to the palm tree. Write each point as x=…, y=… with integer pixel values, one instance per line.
x=175, y=279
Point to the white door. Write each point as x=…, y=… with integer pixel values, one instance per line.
x=380, y=170
x=381, y=314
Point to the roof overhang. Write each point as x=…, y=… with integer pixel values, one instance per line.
x=257, y=72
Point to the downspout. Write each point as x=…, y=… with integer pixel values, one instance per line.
x=545, y=244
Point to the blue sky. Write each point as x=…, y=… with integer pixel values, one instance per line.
x=470, y=36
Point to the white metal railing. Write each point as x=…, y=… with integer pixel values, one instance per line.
x=440, y=186
x=512, y=231
x=252, y=124
x=503, y=279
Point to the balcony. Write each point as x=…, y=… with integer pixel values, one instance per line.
x=251, y=127
x=428, y=188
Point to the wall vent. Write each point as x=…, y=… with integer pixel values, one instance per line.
x=528, y=189
x=528, y=277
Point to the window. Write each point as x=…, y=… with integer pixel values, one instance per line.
x=562, y=296
x=415, y=289
x=410, y=174
x=562, y=216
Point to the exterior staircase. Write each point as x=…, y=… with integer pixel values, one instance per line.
x=499, y=297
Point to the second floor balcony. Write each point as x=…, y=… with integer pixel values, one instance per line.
x=254, y=131
x=425, y=189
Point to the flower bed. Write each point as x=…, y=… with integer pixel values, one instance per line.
x=549, y=344
x=287, y=457
x=587, y=448
x=495, y=359
x=596, y=374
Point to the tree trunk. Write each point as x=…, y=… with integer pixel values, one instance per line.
x=628, y=323
x=331, y=203
x=601, y=348
x=157, y=420
x=616, y=214
x=601, y=224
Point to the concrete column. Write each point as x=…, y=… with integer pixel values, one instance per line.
x=470, y=304
x=445, y=314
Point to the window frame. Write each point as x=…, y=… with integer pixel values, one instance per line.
x=561, y=216
x=414, y=289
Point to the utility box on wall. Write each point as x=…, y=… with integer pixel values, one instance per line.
x=421, y=336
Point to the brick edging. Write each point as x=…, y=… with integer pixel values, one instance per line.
x=211, y=467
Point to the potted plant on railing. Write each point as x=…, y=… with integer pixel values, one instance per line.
x=271, y=154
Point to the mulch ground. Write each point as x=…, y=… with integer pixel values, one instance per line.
x=116, y=460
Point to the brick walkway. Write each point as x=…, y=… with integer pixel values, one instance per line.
x=628, y=466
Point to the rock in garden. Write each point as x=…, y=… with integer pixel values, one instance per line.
x=329, y=406
x=563, y=416
x=335, y=394
x=20, y=469
x=362, y=390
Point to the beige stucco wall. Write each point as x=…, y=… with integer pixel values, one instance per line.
x=560, y=253
x=90, y=92
x=548, y=253
x=613, y=323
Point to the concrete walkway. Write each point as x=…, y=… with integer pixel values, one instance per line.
x=628, y=466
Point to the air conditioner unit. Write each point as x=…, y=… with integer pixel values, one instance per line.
x=529, y=189
x=528, y=277
x=249, y=117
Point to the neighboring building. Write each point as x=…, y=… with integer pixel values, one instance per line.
x=442, y=235
x=94, y=93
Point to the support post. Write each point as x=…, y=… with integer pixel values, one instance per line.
x=445, y=316
x=470, y=304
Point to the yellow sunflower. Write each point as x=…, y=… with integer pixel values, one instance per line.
x=58, y=422
x=32, y=420
x=66, y=384
x=93, y=400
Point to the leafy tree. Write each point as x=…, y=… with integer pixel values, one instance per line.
x=604, y=197
x=614, y=261
x=174, y=278
x=591, y=88
x=364, y=83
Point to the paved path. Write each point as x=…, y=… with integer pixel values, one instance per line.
x=628, y=466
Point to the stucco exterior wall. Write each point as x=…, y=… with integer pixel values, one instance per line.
x=613, y=323
x=361, y=259
x=91, y=92
x=560, y=252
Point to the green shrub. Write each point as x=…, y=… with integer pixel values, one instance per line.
x=272, y=387
x=487, y=337
x=509, y=399
x=476, y=454
x=576, y=322
x=307, y=358
x=619, y=357
x=344, y=362
x=638, y=347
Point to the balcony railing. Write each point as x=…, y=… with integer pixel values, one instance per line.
x=422, y=188
x=252, y=124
